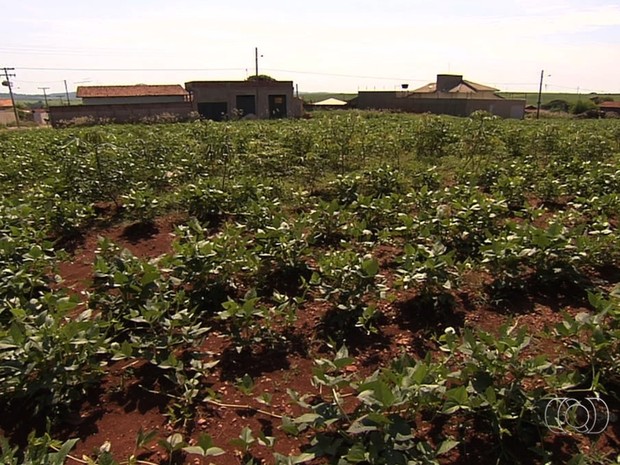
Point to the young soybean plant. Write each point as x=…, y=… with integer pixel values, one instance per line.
x=349, y=282
x=251, y=322
x=429, y=269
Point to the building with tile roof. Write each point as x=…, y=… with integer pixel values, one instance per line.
x=610, y=107
x=7, y=115
x=262, y=99
x=455, y=84
x=139, y=93
x=450, y=94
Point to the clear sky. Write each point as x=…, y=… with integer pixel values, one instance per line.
x=339, y=46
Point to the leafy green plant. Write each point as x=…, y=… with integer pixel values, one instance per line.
x=431, y=270
x=204, y=447
x=174, y=446
x=39, y=451
x=433, y=137
x=251, y=323
x=349, y=282
x=141, y=203
x=48, y=359
x=593, y=339
x=281, y=248
x=212, y=268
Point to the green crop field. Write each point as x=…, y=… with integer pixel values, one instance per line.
x=531, y=98
x=353, y=288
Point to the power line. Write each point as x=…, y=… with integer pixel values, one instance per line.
x=51, y=51
x=391, y=78
x=315, y=73
x=130, y=69
x=301, y=72
x=20, y=81
x=221, y=69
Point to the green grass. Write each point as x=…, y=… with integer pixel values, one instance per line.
x=532, y=97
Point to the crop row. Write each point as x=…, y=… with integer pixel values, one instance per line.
x=287, y=215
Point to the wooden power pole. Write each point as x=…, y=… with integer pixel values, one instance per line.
x=45, y=95
x=7, y=82
x=67, y=93
x=256, y=60
x=542, y=74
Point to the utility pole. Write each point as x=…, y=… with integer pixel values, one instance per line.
x=542, y=74
x=67, y=92
x=45, y=95
x=256, y=84
x=8, y=83
x=256, y=59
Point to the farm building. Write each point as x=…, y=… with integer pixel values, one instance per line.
x=450, y=94
x=125, y=104
x=40, y=116
x=327, y=104
x=610, y=107
x=218, y=100
x=7, y=115
x=140, y=93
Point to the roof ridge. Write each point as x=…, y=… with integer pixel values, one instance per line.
x=131, y=90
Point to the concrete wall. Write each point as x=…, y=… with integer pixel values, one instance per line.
x=40, y=117
x=7, y=117
x=227, y=92
x=456, y=106
x=122, y=113
x=445, y=82
x=133, y=100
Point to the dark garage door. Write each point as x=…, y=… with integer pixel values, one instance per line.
x=277, y=106
x=216, y=111
x=246, y=104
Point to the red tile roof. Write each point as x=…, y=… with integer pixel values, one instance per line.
x=6, y=103
x=464, y=87
x=480, y=87
x=614, y=105
x=139, y=90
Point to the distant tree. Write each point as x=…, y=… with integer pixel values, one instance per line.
x=556, y=105
x=597, y=99
x=34, y=105
x=260, y=77
x=582, y=106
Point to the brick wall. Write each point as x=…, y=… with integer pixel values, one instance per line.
x=119, y=113
x=7, y=116
x=227, y=92
x=457, y=106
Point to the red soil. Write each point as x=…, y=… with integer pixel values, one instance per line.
x=127, y=400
